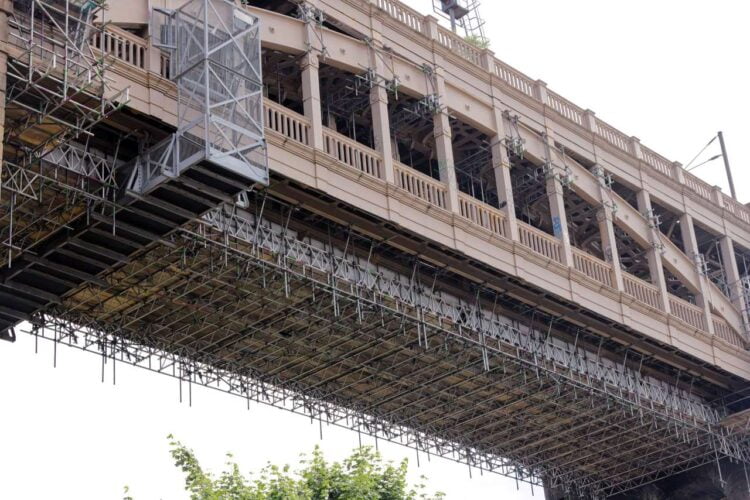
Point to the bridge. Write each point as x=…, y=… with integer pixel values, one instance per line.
x=343, y=209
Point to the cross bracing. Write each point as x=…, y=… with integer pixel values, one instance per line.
x=246, y=304
x=214, y=52
x=57, y=89
x=57, y=93
x=64, y=197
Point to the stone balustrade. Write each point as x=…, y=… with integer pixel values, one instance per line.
x=285, y=123
x=526, y=85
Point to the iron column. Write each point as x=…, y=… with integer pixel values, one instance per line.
x=726, y=166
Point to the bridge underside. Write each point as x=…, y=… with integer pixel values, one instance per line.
x=244, y=301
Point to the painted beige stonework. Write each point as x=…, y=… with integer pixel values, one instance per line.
x=477, y=88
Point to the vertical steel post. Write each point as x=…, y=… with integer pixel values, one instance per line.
x=726, y=166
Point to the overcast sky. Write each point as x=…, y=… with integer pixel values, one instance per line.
x=670, y=72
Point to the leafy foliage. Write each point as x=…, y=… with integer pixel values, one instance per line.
x=477, y=41
x=362, y=476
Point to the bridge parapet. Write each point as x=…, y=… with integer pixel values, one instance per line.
x=566, y=109
x=288, y=126
x=129, y=48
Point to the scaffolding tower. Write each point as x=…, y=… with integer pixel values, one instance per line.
x=57, y=92
x=214, y=53
x=74, y=206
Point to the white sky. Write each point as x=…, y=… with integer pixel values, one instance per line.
x=672, y=73
x=66, y=435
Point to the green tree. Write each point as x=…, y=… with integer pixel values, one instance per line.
x=362, y=476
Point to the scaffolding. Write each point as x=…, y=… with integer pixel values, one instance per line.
x=463, y=16
x=473, y=165
x=57, y=92
x=58, y=79
x=475, y=176
x=346, y=102
x=73, y=208
x=241, y=302
x=215, y=59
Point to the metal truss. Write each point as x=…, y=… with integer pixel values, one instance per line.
x=248, y=306
x=214, y=52
x=66, y=183
x=153, y=166
x=352, y=95
x=464, y=14
x=417, y=112
x=57, y=93
x=56, y=87
x=583, y=225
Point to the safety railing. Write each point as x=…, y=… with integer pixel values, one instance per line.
x=459, y=46
x=422, y=186
x=657, y=161
x=352, y=153
x=594, y=268
x=526, y=85
x=482, y=214
x=736, y=208
x=402, y=13
x=613, y=136
x=703, y=189
x=122, y=45
x=687, y=312
x=286, y=122
x=540, y=242
x=640, y=290
x=727, y=333
x=514, y=78
x=565, y=107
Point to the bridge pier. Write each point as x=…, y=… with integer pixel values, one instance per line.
x=701, y=483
